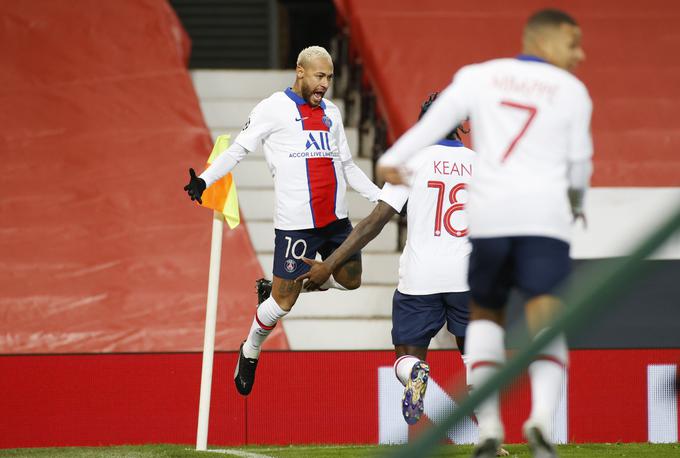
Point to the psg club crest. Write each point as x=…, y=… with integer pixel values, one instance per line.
x=289, y=265
x=327, y=121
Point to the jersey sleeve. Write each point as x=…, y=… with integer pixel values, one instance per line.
x=224, y=163
x=259, y=125
x=394, y=196
x=580, y=139
x=358, y=180
x=450, y=109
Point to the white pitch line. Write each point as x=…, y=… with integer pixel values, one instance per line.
x=240, y=453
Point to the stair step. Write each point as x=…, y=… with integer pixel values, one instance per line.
x=348, y=334
x=372, y=301
x=233, y=132
x=235, y=83
x=227, y=112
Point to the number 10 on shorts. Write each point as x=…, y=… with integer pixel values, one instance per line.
x=296, y=249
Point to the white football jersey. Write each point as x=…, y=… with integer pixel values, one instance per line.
x=435, y=258
x=529, y=120
x=304, y=148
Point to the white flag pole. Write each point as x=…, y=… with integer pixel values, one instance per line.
x=210, y=324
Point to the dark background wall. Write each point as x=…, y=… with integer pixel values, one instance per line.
x=645, y=315
x=254, y=33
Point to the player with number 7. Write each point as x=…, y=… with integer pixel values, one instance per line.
x=530, y=119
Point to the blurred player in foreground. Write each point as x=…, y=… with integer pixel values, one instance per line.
x=307, y=153
x=531, y=130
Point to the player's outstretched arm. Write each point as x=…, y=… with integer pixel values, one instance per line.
x=224, y=163
x=358, y=180
x=195, y=187
x=444, y=114
x=367, y=229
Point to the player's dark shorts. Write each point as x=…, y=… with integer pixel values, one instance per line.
x=416, y=319
x=534, y=265
x=291, y=246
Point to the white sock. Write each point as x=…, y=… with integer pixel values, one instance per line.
x=403, y=366
x=485, y=353
x=547, y=375
x=266, y=317
x=328, y=284
x=331, y=283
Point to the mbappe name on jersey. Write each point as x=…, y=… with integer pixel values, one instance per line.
x=527, y=87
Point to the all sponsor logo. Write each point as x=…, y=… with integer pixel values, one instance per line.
x=320, y=142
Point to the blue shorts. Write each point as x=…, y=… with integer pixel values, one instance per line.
x=416, y=319
x=534, y=265
x=291, y=246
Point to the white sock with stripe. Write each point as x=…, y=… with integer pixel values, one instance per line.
x=266, y=317
x=403, y=366
x=485, y=351
x=547, y=375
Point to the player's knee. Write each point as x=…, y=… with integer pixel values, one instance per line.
x=352, y=282
x=285, y=292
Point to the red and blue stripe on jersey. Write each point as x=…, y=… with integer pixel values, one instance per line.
x=321, y=178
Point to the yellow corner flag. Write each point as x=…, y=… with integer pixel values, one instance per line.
x=221, y=196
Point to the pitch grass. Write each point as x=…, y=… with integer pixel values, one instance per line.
x=516, y=451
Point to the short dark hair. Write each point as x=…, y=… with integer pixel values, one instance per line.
x=454, y=134
x=550, y=17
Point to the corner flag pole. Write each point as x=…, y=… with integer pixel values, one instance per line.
x=210, y=324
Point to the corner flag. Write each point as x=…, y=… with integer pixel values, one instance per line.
x=221, y=196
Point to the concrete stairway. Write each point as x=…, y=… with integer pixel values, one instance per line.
x=357, y=319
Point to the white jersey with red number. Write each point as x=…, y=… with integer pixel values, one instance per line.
x=304, y=148
x=529, y=121
x=435, y=258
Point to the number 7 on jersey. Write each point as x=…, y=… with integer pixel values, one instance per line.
x=532, y=113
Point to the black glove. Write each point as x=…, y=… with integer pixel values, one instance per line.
x=195, y=187
x=576, y=204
